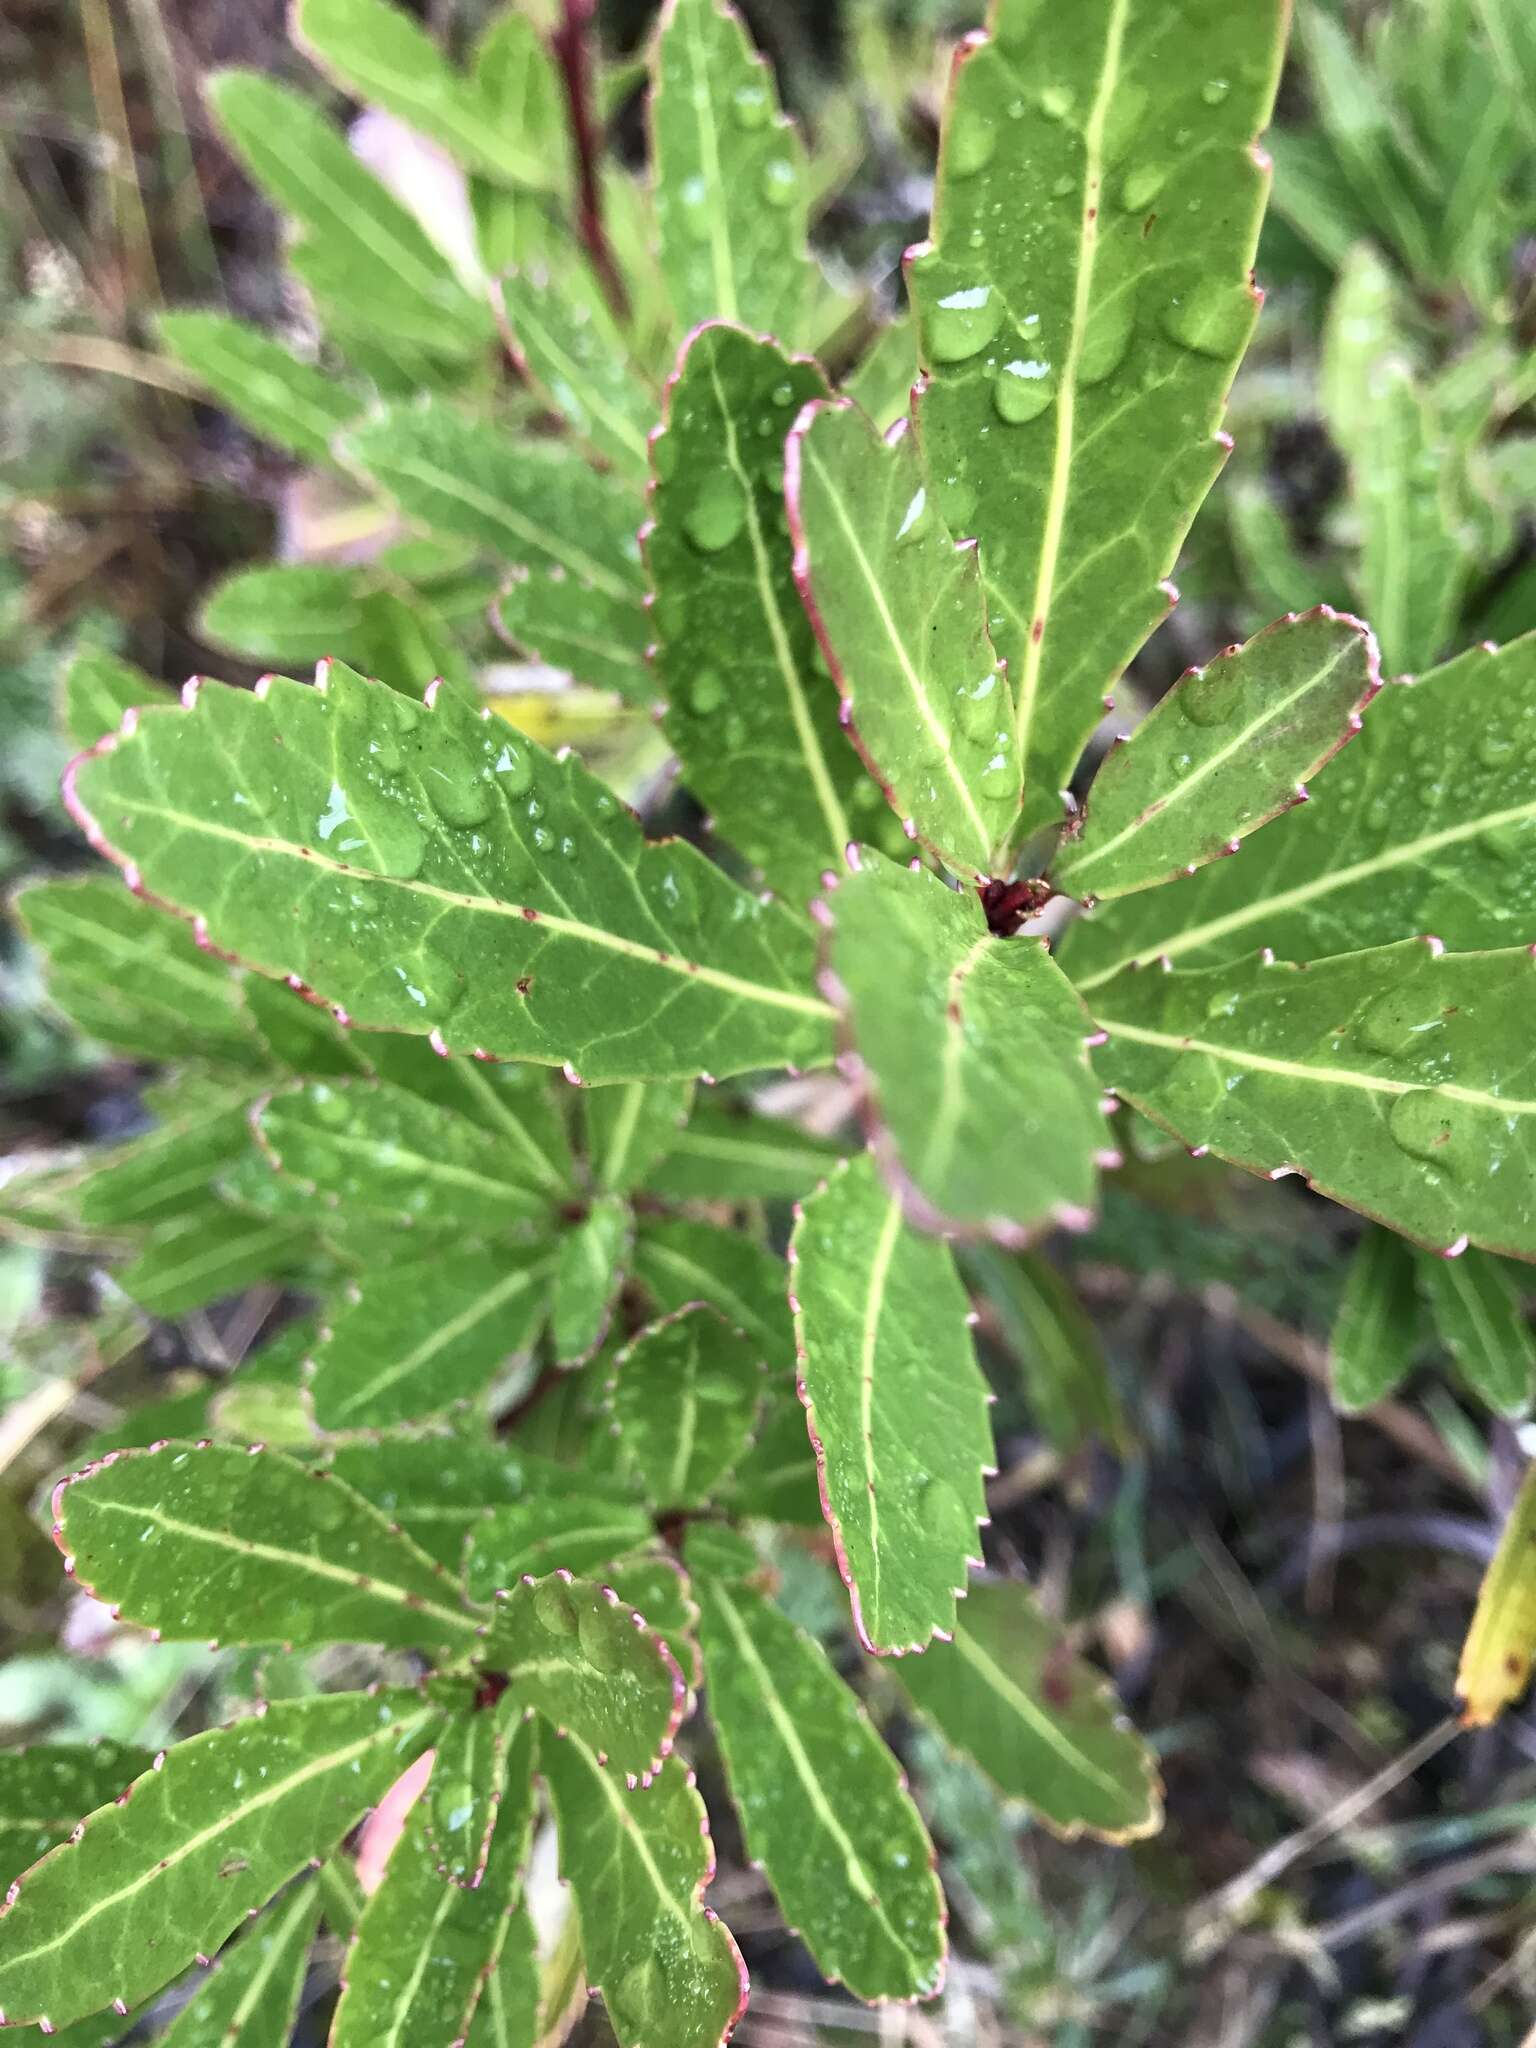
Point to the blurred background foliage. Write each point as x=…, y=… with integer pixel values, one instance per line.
x=1279, y=1593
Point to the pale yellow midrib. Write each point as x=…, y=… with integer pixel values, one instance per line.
x=637, y=1841
x=687, y=1436
x=1066, y=398
x=709, y=152
x=816, y=1797
x=490, y=906
x=1183, y=790
x=315, y=1768
x=1307, y=892
x=254, y=1991
x=429, y=1169
x=543, y=1166
x=317, y=1567
x=487, y=1304
x=1334, y=1077
x=805, y=733
x=1025, y=1707
x=619, y=425
x=874, y=1303
x=913, y=680
x=412, y=1984
x=621, y=1137
x=946, y=1116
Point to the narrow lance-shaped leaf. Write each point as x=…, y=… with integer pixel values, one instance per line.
x=517, y=75
x=1480, y=1321
x=731, y=197
x=902, y=619
x=1501, y=1643
x=95, y=691
x=207, y=1541
x=363, y=243
x=1230, y=746
x=515, y=1103
x=423, y=896
x=638, y=1862
x=684, y=1398
x=568, y=345
x=950, y=1022
x=1425, y=823
x=417, y=1966
x=540, y=510
x=1399, y=1081
x=379, y=52
x=751, y=709
x=729, y=1152
x=131, y=978
x=1067, y=1380
x=1009, y=1693
x=1416, y=555
x=175, y=1866
x=575, y=1530
x=419, y=1337
x=212, y=1252
x=379, y=1152
x=823, y=1805
x=252, y=1997
x=1082, y=307
x=287, y=401
x=896, y=1404
x=589, y=1271
x=1376, y=1333
x=438, y=1485
x=590, y=1666
x=44, y=1791
x=630, y=1127
x=167, y=1171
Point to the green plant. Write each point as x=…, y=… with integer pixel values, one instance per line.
x=404, y=913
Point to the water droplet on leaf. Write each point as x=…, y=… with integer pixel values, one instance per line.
x=554, y=1608
x=1211, y=317
x=969, y=144
x=1022, y=390
x=717, y=514
x=962, y=323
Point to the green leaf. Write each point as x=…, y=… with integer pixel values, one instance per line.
x=589, y=1271
x=1228, y=748
x=44, y=1791
x=630, y=1127
x=299, y=1033
x=131, y=977
x=729, y=1153
x=97, y=690
x=286, y=401
x=360, y=243
x=902, y=618
x=595, y=639
x=210, y=1253
x=571, y=1531
x=880, y=383
x=638, y=1863
x=1496, y=1657
x=530, y=504
x=380, y=1154
x=383, y=56
x=252, y=1997
x=1415, y=561
x=1066, y=1376
x=167, y=1171
x=1043, y=1725
x=777, y=1479
x=1396, y=1080
x=681, y=1261
x=684, y=1398
x=569, y=347
x=438, y=1485
x=751, y=710
x=1480, y=1321
x=1095, y=354
x=656, y=1586
x=203, y=1841
x=301, y=612
x=640, y=961
x=1425, y=823
x=424, y=1948
x=418, y=1337
x=515, y=1103
x=211, y=1541
x=823, y=1804
x=1375, y=1334
x=896, y=1406
x=717, y=1551
x=575, y=1652
x=729, y=175
x=516, y=73
x=949, y=1021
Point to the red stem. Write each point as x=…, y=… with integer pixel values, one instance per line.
x=572, y=46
